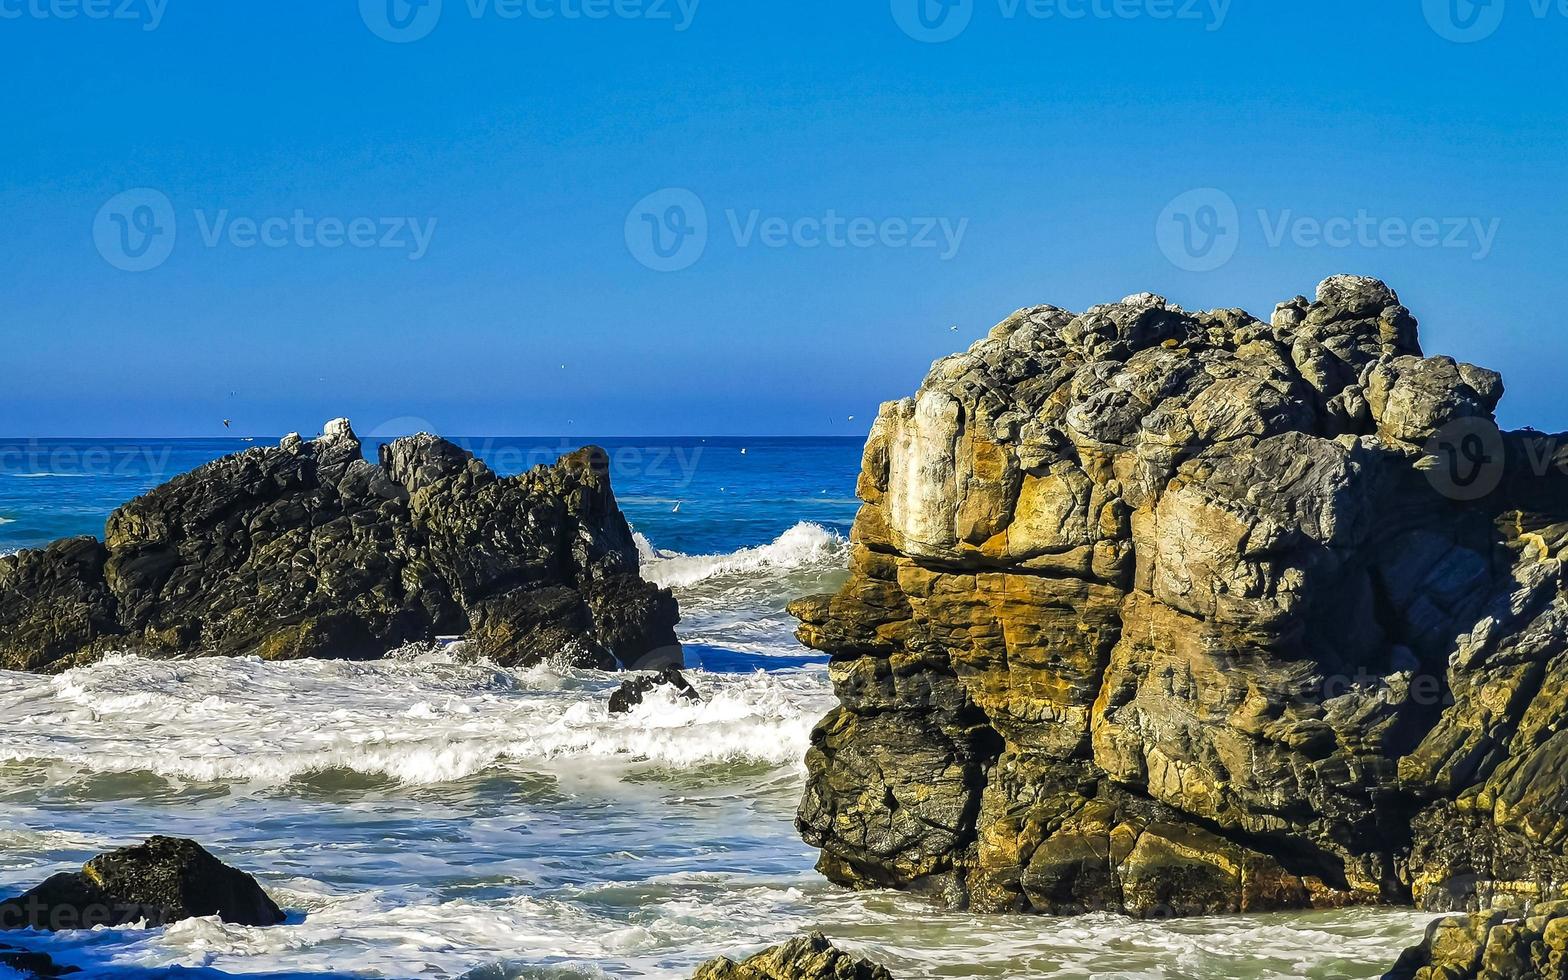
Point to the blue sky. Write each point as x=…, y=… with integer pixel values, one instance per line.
x=454, y=212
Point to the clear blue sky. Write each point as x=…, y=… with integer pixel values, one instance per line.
x=1054, y=143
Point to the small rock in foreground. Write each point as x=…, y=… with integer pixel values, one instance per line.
x=807, y=958
x=162, y=881
x=631, y=693
x=1488, y=946
x=30, y=964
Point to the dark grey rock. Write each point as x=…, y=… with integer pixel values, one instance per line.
x=307, y=550
x=161, y=881
x=631, y=692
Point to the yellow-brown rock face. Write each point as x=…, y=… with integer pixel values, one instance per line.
x=1173, y=613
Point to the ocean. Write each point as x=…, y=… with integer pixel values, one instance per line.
x=433, y=816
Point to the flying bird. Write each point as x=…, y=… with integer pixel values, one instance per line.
x=227, y=423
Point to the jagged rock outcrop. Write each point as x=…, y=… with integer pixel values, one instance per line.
x=161, y=881
x=632, y=692
x=1172, y=613
x=1490, y=946
x=810, y=957
x=308, y=550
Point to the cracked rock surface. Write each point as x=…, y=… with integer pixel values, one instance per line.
x=1173, y=613
x=307, y=550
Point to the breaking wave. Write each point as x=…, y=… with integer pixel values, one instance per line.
x=804, y=547
x=418, y=719
x=737, y=600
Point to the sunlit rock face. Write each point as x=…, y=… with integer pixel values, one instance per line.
x=1175, y=613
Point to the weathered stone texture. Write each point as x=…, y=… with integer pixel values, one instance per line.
x=1172, y=613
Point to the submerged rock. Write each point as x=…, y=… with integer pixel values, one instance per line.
x=162, y=881
x=631, y=693
x=307, y=550
x=31, y=964
x=1171, y=613
x=807, y=958
x=1489, y=946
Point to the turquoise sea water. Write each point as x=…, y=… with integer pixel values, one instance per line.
x=436, y=816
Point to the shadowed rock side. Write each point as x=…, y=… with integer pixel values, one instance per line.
x=807, y=958
x=307, y=550
x=162, y=881
x=1177, y=613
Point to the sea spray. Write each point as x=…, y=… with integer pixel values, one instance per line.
x=419, y=720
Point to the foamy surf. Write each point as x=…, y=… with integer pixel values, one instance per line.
x=804, y=547
x=418, y=720
x=662, y=926
x=737, y=600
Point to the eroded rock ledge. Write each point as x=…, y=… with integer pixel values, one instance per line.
x=308, y=550
x=1176, y=613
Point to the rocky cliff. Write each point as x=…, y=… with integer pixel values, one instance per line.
x=308, y=550
x=1175, y=613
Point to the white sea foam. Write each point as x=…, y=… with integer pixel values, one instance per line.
x=421, y=719
x=661, y=927
x=805, y=546
x=736, y=600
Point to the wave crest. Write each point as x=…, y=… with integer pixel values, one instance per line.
x=805, y=546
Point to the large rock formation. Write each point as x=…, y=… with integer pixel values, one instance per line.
x=308, y=550
x=161, y=881
x=1175, y=613
x=806, y=958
